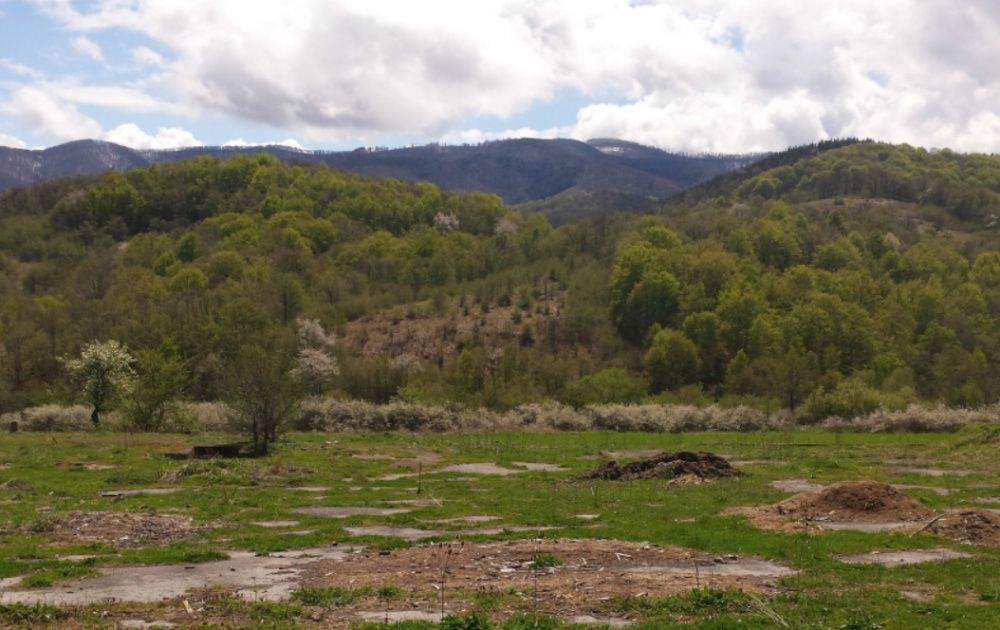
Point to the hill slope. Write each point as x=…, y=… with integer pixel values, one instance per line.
x=518, y=171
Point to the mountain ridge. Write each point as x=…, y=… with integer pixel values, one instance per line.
x=518, y=170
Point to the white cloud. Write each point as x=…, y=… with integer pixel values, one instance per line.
x=88, y=47
x=147, y=56
x=131, y=135
x=703, y=75
x=11, y=141
x=49, y=115
x=19, y=69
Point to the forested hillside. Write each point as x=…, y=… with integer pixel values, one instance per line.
x=836, y=282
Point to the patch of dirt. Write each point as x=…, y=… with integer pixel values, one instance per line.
x=118, y=494
x=971, y=526
x=935, y=489
x=539, y=466
x=934, y=472
x=589, y=571
x=346, y=512
x=89, y=466
x=482, y=468
x=246, y=574
x=414, y=534
x=864, y=505
x=682, y=467
x=17, y=485
x=795, y=485
x=275, y=524
x=123, y=529
x=899, y=558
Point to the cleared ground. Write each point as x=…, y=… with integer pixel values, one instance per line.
x=344, y=530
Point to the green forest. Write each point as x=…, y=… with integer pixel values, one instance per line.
x=830, y=281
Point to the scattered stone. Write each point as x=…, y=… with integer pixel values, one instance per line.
x=587, y=517
x=684, y=466
x=346, y=512
x=899, y=558
x=988, y=500
x=757, y=462
x=729, y=566
x=307, y=488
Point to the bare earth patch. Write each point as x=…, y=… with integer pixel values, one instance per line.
x=539, y=466
x=345, y=512
x=119, y=494
x=795, y=485
x=899, y=558
x=861, y=505
x=589, y=571
x=123, y=529
x=934, y=472
x=246, y=574
x=972, y=526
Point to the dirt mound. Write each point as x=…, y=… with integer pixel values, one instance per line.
x=855, y=502
x=683, y=466
x=122, y=529
x=977, y=527
x=860, y=505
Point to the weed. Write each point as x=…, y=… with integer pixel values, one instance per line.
x=329, y=596
x=33, y=613
x=389, y=591
x=473, y=621
x=544, y=560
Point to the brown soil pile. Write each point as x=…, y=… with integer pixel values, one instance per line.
x=586, y=573
x=977, y=527
x=122, y=529
x=847, y=502
x=682, y=466
x=855, y=502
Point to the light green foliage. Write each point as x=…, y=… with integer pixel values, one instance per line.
x=104, y=371
x=672, y=361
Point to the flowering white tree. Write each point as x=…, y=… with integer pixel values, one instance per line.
x=315, y=362
x=104, y=371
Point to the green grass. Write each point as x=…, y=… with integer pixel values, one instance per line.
x=230, y=496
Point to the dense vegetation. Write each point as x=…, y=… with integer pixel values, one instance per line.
x=855, y=277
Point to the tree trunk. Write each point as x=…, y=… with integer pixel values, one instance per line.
x=95, y=417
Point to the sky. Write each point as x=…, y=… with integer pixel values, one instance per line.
x=719, y=76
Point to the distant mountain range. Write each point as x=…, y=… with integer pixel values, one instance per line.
x=561, y=177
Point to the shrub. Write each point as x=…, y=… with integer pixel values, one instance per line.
x=51, y=418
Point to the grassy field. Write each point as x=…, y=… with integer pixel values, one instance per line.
x=45, y=477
